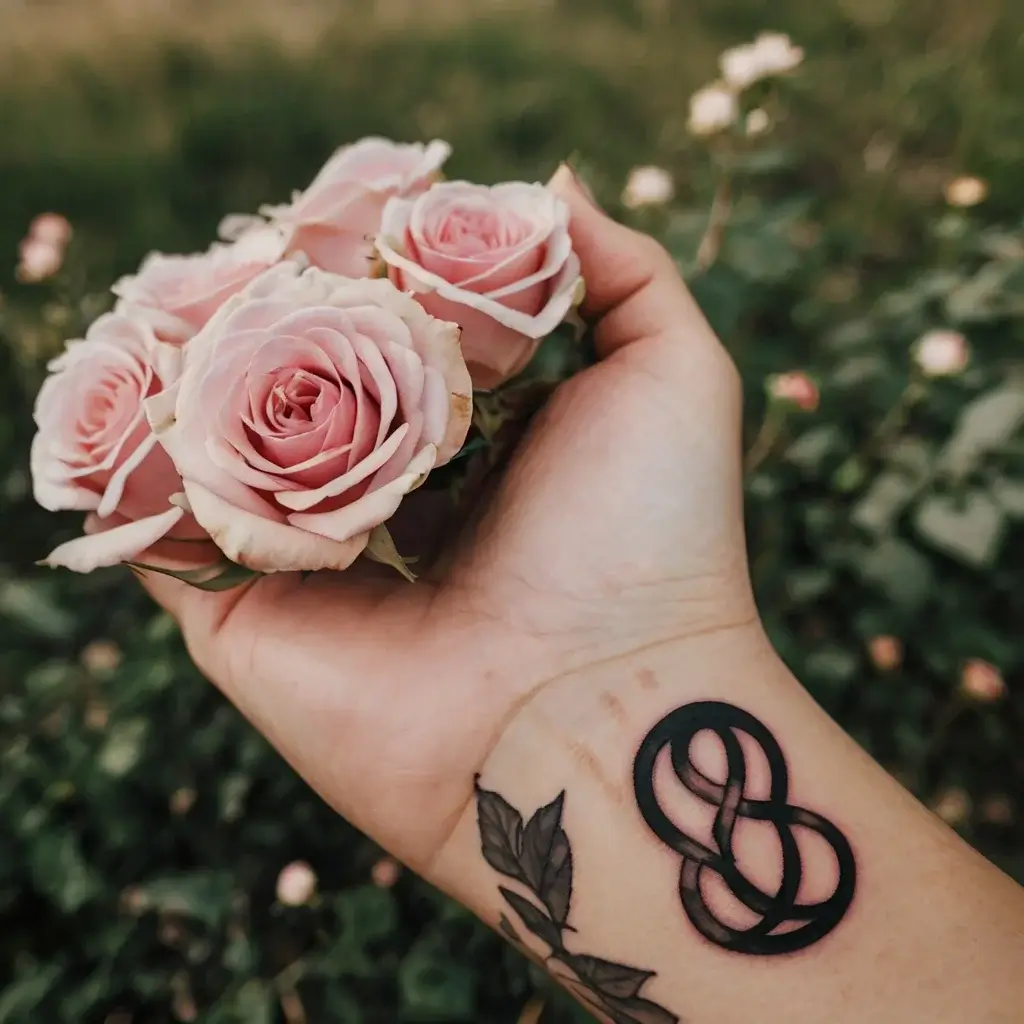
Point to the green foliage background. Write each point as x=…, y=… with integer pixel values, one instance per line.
x=121, y=900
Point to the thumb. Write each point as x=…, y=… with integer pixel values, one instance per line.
x=634, y=289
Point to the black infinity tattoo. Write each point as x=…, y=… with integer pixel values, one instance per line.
x=785, y=924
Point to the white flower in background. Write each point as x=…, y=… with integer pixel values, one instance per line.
x=777, y=53
x=966, y=191
x=758, y=122
x=941, y=353
x=648, y=186
x=712, y=109
x=771, y=53
x=51, y=227
x=296, y=884
x=740, y=65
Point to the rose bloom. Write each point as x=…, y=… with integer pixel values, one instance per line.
x=941, y=353
x=795, y=388
x=982, y=682
x=38, y=260
x=176, y=295
x=966, y=191
x=51, y=228
x=309, y=406
x=94, y=450
x=712, y=109
x=497, y=260
x=648, y=186
x=335, y=220
x=296, y=885
x=886, y=652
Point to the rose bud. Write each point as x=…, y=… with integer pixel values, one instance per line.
x=794, y=388
x=296, y=885
x=886, y=652
x=310, y=405
x=982, y=682
x=497, y=260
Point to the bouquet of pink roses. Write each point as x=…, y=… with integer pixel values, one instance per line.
x=280, y=394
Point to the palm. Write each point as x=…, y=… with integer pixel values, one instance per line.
x=617, y=525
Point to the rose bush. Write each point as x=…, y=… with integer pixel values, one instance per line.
x=309, y=406
x=497, y=260
x=94, y=450
x=176, y=295
x=336, y=218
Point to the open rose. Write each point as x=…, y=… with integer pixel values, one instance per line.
x=95, y=451
x=310, y=405
x=176, y=295
x=497, y=260
x=335, y=220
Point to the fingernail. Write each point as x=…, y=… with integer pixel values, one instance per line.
x=567, y=175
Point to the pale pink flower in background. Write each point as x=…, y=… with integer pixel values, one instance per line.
x=998, y=809
x=953, y=806
x=52, y=228
x=497, y=260
x=941, y=353
x=758, y=122
x=886, y=652
x=177, y=294
x=648, y=186
x=982, y=682
x=296, y=884
x=101, y=657
x=335, y=220
x=385, y=873
x=94, y=451
x=966, y=191
x=795, y=388
x=310, y=405
x=712, y=109
x=38, y=260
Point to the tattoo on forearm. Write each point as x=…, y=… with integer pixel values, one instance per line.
x=785, y=923
x=536, y=854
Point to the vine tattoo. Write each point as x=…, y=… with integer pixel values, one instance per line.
x=785, y=924
x=537, y=855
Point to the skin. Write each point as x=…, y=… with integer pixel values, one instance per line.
x=605, y=585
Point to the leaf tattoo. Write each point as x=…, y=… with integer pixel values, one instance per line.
x=547, y=859
x=501, y=833
x=538, y=856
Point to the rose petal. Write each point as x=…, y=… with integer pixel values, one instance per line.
x=266, y=546
x=372, y=509
x=111, y=546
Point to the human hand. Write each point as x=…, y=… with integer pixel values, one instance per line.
x=617, y=527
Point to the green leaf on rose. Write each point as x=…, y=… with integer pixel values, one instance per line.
x=213, y=578
x=381, y=548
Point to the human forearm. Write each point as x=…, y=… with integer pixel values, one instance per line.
x=920, y=928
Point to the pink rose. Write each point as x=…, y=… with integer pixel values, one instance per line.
x=310, y=405
x=176, y=295
x=335, y=220
x=497, y=260
x=95, y=451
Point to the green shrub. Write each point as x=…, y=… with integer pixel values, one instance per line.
x=143, y=823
